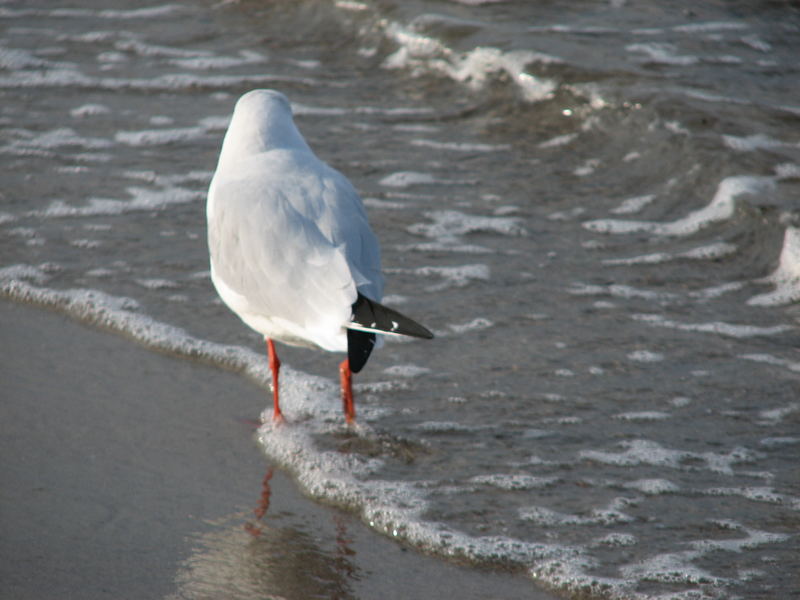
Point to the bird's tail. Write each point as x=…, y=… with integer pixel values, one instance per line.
x=370, y=317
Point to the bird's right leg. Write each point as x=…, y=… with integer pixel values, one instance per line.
x=275, y=367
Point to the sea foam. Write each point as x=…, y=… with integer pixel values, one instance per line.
x=721, y=208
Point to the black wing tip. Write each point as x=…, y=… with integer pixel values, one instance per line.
x=373, y=315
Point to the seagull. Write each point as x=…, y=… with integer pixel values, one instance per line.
x=292, y=253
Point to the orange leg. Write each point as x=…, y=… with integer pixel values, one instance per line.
x=275, y=367
x=345, y=377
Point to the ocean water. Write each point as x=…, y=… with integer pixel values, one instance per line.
x=594, y=205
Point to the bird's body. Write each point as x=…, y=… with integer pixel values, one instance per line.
x=291, y=249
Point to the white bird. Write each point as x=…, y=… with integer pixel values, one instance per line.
x=292, y=253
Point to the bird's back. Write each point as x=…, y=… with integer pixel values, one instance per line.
x=291, y=246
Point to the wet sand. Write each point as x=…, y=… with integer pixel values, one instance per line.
x=129, y=474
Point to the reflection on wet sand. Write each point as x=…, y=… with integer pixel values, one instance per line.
x=271, y=556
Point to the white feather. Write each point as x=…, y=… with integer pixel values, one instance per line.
x=288, y=236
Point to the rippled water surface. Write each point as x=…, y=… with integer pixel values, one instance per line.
x=594, y=205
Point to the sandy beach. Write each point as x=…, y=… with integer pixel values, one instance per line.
x=130, y=474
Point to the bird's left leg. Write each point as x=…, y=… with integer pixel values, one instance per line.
x=275, y=367
x=346, y=379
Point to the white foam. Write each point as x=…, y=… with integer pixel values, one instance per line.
x=645, y=356
x=60, y=77
x=13, y=59
x=384, y=204
x=653, y=487
x=460, y=146
x=773, y=360
x=610, y=515
x=445, y=245
x=634, y=204
x=89, y=110
x=776, y=415
x=14, y=273
x=758, y=141
x=445, y=427
x=406, y=370
x=457, y=276
x=662, y=53
x=450, y=223
x=403, y=179
x=671, y=568
x=717, y=327
x=85, y=243
x=587, y=168
x=778, y=442
x=786, y=276
x=63, y=137
x=475, y=68
x=157, y=284
x=721, y=208
x=716, y=291
x=709, y=26
x=713, y=251
x=646, y=452
x=757, y=494
x=99, y=273
x=619, y=291
x=245, y=58
x=615, y=540
x=643, y=415
x=559, y=140
x=142, y=199
x=475, y=324
x=158, y=137
x=514, y=482
x=135, y=46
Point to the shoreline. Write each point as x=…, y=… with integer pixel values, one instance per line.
x=130, y=473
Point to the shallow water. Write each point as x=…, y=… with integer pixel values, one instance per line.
x=593, y=205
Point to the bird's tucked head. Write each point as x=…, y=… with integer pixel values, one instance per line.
x=262, y=120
